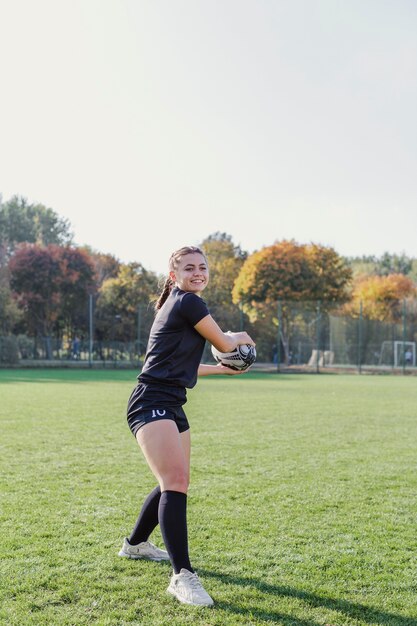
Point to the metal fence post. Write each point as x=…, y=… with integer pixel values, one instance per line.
x=139, y=327
x=318, y=337
x=360, y=337
x=279, y=337
x=404, y=334
x=90, y=327
x=393, y=345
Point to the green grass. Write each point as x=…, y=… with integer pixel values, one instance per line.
x=302, y=509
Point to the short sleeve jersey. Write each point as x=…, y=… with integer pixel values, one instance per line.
x=175, y=348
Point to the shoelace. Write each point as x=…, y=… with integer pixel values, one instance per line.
x=153, y=547
x=194, y=581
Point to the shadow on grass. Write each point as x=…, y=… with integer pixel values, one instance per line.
x=361, y=612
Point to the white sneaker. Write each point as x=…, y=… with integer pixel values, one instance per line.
x=144, y=550
x=187, y=588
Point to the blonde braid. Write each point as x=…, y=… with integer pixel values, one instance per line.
x=168, y=285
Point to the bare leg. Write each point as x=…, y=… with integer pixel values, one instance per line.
x=168, y=456
x=167, y=453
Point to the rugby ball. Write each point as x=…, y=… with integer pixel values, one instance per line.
x=239, y=359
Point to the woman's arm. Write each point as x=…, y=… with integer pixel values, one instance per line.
x=224, y=342
x=209, y=370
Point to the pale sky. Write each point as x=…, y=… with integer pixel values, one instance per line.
x=151, y=124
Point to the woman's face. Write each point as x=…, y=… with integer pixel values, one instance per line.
x=192, y=273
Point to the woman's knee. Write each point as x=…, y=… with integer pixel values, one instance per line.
x=176, y=479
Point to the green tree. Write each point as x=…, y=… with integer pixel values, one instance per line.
x=381, y=266
x=124, y=302
x=225, y=261
x=413, y=271
x=395, y=264
x=9, y=311
x=362, y=265
x=21, y=222
x=105, y=265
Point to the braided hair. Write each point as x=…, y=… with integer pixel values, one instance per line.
x=173, y=264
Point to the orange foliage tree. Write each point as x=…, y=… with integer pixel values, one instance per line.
x=290, y=272
x=381, y=297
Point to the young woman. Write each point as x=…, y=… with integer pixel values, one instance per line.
x=157, y=419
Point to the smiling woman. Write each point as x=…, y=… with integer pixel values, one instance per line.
x=191, y=272
x=182, y=266
x=157, y=419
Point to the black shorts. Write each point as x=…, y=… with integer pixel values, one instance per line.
x=150, y=402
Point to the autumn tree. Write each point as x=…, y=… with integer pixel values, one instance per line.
x=290, y=272
x=77, y=283
x=381, y=297
x=125, y=302
x=51, y=286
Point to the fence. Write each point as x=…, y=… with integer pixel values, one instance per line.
x=296, y=336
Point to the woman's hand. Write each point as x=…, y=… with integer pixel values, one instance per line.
x=210, y=370
x=224, y=369
x=241, y=338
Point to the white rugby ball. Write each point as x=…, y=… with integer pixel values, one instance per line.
x=240, y=358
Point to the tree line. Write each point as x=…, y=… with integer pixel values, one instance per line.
x=47, y=282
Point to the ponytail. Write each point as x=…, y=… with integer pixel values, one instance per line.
x=168, y=285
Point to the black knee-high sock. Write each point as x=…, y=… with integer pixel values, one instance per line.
x=148, y=518
x=173, y=523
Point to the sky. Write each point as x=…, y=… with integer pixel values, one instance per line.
x=151, y=124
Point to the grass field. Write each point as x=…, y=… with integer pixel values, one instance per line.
x=302, y=509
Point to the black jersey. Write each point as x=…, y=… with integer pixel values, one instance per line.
x=175, y=348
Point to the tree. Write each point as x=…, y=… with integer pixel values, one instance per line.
x=21, y=222
x=105, y=265
x=225, y=261
x=122, y=299
x=413, y=271
x=51, y=286
x=381, y=297
x=383, y=266
x=290, y=272
x=78, y=281
x=9, y=312
x=395, y=264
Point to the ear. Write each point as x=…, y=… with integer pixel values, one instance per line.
x=172, y=276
